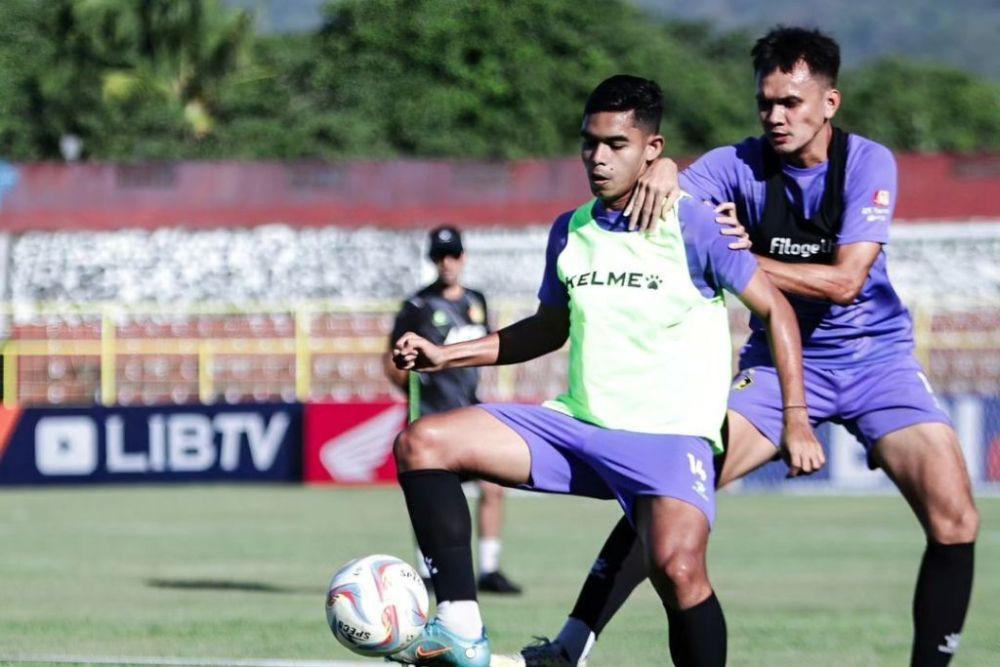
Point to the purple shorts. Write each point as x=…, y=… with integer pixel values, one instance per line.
x=573, y=457
x=870, y=401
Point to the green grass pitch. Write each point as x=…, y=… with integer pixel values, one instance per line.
x=240, y=572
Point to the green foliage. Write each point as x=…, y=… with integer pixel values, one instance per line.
x=496, y=79
x=162, y=79
x=922, y=107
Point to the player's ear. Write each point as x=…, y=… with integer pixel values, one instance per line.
x=654, y=146
x=831, y=102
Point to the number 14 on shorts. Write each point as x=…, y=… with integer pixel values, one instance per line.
x=698, y=470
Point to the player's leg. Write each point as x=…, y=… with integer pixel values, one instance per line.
x=432, y=455
x=666, y=484
x=516, y=443
x=489, y=519
x=675, y=537
x=752, y=437
x=890, y=406
x=925, y=461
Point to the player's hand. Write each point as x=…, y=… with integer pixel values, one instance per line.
x=726, y=217
x=413, y=353
x=800, y=449
x=656, y=192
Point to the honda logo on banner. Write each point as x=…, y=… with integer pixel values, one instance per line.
x=351, y=443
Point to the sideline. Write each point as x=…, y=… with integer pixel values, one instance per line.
x=177, y=662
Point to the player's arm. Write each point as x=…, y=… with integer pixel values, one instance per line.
x=801, y=450
x=408, y=319
x=543, y=332
x=532, y=337
x=840, y=282
x=869, y=203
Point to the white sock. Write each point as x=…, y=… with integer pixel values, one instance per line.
x=489, y=554
x=577, y=638
x=461, y=617
x=421, y=564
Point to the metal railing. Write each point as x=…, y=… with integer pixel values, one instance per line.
x=311, y=349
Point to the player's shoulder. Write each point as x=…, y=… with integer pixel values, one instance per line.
x=868, y=149
x=475, y=295
x=691, y=210
x=746, y=154
x=559, y=233
x=868, y=161
x=561, y=223
x=420, y=298
x=697, y=220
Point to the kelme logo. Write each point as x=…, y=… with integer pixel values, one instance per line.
x=627, y=279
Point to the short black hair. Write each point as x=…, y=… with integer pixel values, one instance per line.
x=623, y=92
x=784, y=46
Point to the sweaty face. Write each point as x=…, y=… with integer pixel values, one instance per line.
x=794, y=107
x=615, y=152
x=449, y=269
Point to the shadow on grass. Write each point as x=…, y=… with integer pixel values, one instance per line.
x=229, y=585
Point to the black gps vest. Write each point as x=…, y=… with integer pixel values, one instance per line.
x=785, y=234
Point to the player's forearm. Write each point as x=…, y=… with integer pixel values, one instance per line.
x=764, y=300
x=786, y=351
x=479, y=352
x=532, y=337
x=522, y=341
x=815, y=281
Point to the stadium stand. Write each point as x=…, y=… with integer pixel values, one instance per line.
x=279, y=312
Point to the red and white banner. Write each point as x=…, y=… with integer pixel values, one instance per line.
x=351, y=443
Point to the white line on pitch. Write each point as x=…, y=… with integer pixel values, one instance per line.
x=179, y=662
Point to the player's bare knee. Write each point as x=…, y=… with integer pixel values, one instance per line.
x=680, y=570
x=418, y=447
x=958, y=526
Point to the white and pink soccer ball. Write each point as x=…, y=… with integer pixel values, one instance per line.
x=376, y=605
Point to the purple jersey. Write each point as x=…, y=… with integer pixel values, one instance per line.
x=876, y=326
x=711, y=264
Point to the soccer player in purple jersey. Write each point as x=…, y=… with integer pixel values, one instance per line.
x=817, y=203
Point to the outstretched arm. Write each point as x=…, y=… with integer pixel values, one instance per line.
x=543, y=332
x=801, y=450
x=840, y=282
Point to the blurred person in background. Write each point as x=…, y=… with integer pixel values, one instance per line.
x=446, y=312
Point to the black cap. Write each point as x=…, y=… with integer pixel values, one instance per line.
x=445, y=241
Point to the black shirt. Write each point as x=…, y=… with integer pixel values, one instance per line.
x=443, y=321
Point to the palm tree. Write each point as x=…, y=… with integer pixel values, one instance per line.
x=180, y=51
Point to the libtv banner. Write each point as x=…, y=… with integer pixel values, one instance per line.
x=348, y=443
x=163, y=444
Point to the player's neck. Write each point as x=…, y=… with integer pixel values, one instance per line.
x=618, y=203
x=816, y=152
x=451, y=292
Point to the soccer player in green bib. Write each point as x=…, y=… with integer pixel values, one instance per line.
x=642, y=417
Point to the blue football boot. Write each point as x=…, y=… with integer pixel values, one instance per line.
x=436, y=645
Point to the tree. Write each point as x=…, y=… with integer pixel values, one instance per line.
x=915, y=106
x=171, y=79
x=133, y=79
x=499, y=79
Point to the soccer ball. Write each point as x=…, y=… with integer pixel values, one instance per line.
x=376, y=605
